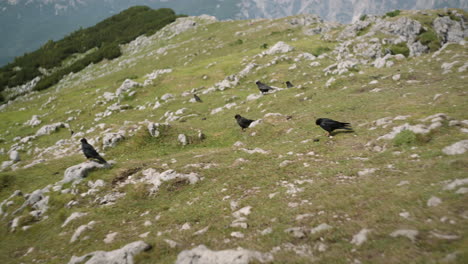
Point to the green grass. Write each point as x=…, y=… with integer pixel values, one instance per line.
x=333, y=190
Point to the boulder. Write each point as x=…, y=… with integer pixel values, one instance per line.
x=78, y=172
x=49, y=129
x=203, y=255
x=279, y=47
x=14, y=156
x=123, y=255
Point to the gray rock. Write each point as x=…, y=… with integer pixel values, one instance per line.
x=410, y=234
x=459, y=147
x=167, y=97
x=352, y=30
x=123, y=255
x=14, y=156
x=320, y=228
x=297, y=232
x=72, y=217
x=34, y=121
x=279, y=47
x=34, y=200
x=182, y=138
x=203, y=255
x=110, y=140
x=127, y=86
x=49, y=129
x=448, y=30
x=154, y=75
x=434, y=201
x=151, y=176
x=454, y=184
x=78, y=172
x=406, y=28
x=417, y=49
x=155, y=129
x=360, y=237
x=82, y=229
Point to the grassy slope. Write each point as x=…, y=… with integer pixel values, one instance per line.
x=372, y=201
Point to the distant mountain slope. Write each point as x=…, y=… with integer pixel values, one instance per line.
x=27, y=24
x=48, y=63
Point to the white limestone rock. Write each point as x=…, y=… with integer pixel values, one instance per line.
x=110, y=140
x=457, y=148
x=49, y=129
x=434, y=201
x=360, y=237
x=279, y=47
x=123, y=255
x=408, y=233
x=127, y=86
x=78, y=172
x=202, y=255
x=72, y=217
x=82, y=229
x=151, y=176
x=34, y=121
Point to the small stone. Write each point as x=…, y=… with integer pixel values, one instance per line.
x=360, y=237
x=237, y=234
x=410, y=234
x=110, y=237
x=434, y=201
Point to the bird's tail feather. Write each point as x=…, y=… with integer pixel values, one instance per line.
x=101, y=160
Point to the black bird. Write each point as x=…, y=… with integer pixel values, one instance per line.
x=197, y=98
x=263, y=87
x=329, y=125
x=289, y=84
x=90, y=152
x=243, y=122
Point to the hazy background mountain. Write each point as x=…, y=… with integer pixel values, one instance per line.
x=27, y=24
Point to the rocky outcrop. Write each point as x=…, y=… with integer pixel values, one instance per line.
x=449, y=30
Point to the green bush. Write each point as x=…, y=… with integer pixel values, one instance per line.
x=400, y=48
x=320, y=50
x=264, y=46
x=393, y=13
x=363, y=17
x=430, y=39
x=237, y=42
x=6, y=181
x=404, y=138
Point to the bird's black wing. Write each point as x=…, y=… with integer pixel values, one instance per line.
x=330, y=125
x=263, y=87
